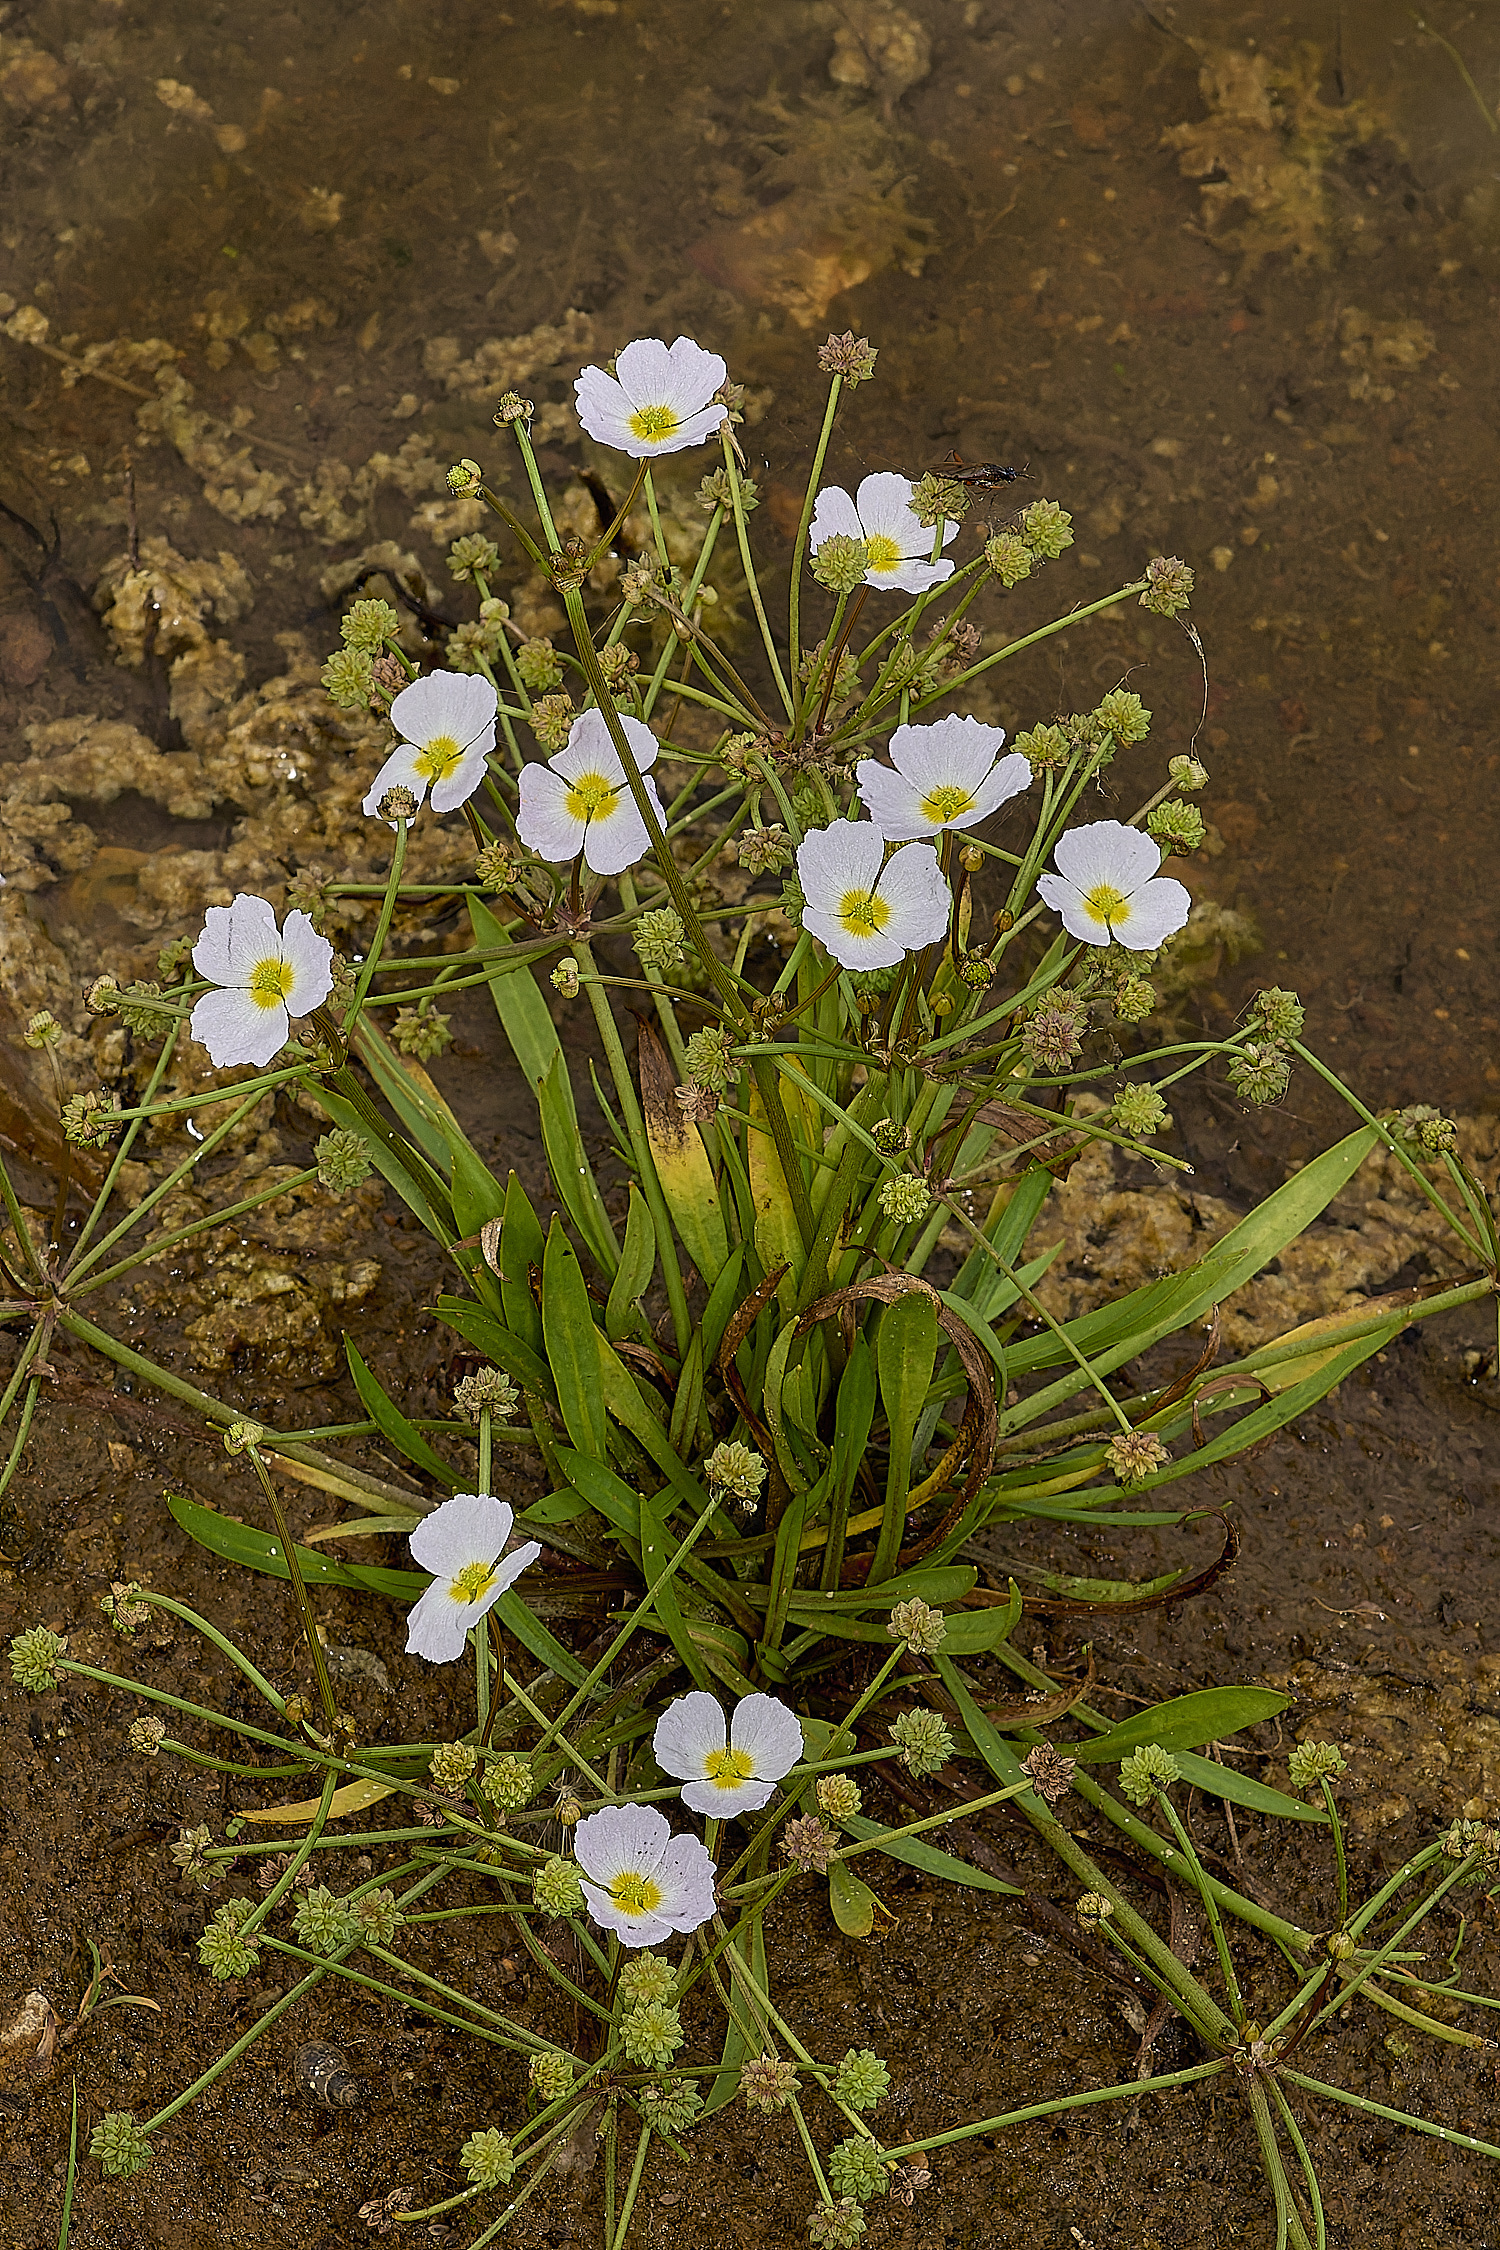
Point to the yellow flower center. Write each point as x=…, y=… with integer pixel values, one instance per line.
x=1107, y=905
x=728, y=1769
x=473, y=1582
x=863, y=913
x=653, y=423
x=436, y=759
x=945, y=802
x=591, y=796
x=634, y=1893
x=883, y=552
x=270, y=982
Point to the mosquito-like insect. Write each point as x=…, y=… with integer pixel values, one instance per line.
x=979, y=476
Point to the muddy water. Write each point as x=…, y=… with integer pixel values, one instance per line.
x=1226, y=277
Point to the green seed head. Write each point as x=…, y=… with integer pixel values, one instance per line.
x=488, y=2159
x=557, y=1887
x=1312, y=1762
x=343, y=1160
x=1047, y=529
x=33, y=1659
x=369, y=625
x=1145, y=1771
x=861, y=2079
x=651, y=2034
x=120, y=2145
x=924, y=1741
x=858, y=2168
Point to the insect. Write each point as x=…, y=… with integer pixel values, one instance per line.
x=980, y=476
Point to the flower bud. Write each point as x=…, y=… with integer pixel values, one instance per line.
x=1187, y=773
x=465, y=478
x=43, y=1030
x=565, y=977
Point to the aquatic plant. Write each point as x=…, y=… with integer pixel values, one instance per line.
x=778, y=1386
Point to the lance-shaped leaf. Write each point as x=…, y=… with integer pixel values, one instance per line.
x=681, y=1160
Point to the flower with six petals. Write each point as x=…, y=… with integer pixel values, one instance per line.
x=462, y=1543
x=446, y=722
x=868, y=910
x=1108, y=888
x=266, y=977
x=659, y=399
x=946, y=774
x=727, y=1771
x=899, y=551
x=579, y=801
x=640, y=1880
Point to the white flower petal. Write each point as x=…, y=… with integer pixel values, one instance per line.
x=687, y=1734
x=894, y=806
x=953, y=749
x=310, y=959
x=852, y=949
x=604, y=410
x=620, y=1837
x=616, y=839
x=437, y=1627
x=471, y=1527
x=590, y=742
x=714, y=1803
x=695, y=376
x=845, y=855
x=643, y=371
x=916, y=890
x=211, y=955
x=1153, y=913
x=1009, y=777
x=631, y=1929
x=770, y=1732
x=687, y=1875
x=885, y=510
x=1066, y=899
x=543, y=821
x=457, y=787
x=1106, y=851
x=833, y=513
x=458, y=703
x=236, y=1029
x=909, y=577
x=398, y=772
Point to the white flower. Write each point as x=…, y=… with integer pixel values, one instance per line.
x=868, y=914
x=447, y=727
x=881, y=513
x=948, y=774
x=1107, y=887
x=579, y=801
x=462, y=1544
x=727, y=1773
x=657, y=401
x=267, y=975
x=641, y=1881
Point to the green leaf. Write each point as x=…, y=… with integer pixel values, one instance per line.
x=905, y=1349
x=479, y=1327
x=258, y=1550
x=1208, y=1715
x=523, y=1012
x=521, y=1247
x=1223, y=1781
x=622, y=1315
x=913, y=1852
x=572, y=1346
x=403, y=1435
x=1116, y=1332
x=784, y=1568
x=724, y=1651
x=475, y=1193
x=420, y=1188
x=998, y=1754
x=576, y=1186
x=687, y=1405
x=970, y=1631
x=723, y=1298
x=979, y=1280
x=854, y=1904
x=737, y=2049
x=657, y=1550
